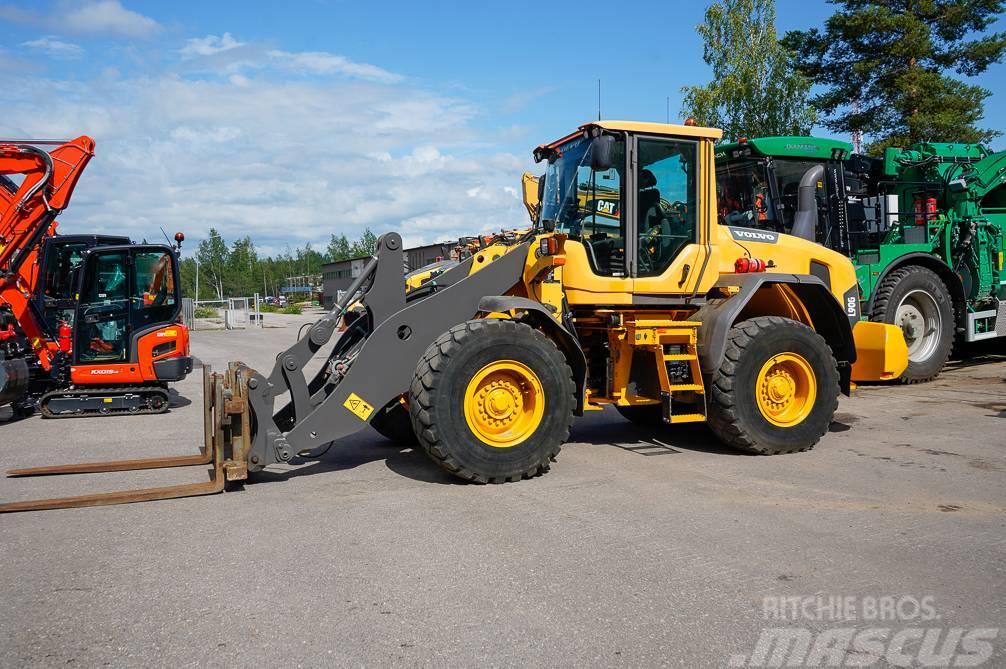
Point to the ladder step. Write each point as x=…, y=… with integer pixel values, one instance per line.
x=680, y=356
x=685, y=386
x=687, y=418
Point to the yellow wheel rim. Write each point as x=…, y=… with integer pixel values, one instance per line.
x=786, y=389
x=504, y=403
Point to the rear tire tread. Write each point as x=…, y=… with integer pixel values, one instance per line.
x=723, y=416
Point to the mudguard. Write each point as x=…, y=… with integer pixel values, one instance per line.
x=830, y=320
x=539, y=316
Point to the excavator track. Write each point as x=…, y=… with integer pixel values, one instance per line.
x=227, y=439
x=110, y=401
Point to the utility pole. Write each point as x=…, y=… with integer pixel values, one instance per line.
x=857, y=134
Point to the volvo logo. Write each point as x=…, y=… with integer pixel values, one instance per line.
x=746, y=235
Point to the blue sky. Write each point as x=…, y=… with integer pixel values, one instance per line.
x=289, y=121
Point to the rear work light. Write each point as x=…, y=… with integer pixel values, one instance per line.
x=747, y=265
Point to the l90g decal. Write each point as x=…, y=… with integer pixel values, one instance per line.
x=850, y=302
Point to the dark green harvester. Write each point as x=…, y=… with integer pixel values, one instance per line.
x=924, y=225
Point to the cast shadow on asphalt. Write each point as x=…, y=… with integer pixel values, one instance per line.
x=176, y=400
x=366, y=447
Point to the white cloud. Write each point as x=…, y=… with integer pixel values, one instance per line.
x=107, y=17
x=319, y=62
x=104, y=17
x=54, y=47
x=226, y=55
x=209, y=45
x=284, y=160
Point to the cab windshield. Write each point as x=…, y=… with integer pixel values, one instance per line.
x=579, y=200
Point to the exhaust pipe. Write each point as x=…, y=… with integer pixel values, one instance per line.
x=13, y=380
x=805, y=218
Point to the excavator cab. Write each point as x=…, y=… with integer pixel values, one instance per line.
x=126, y=294
x=60, y=257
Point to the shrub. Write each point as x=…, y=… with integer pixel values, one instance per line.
x=293, y=309
x=205, y=312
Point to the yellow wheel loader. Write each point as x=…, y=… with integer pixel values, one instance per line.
x=626, y=292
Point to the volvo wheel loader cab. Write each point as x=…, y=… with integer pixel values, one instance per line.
x=626, y=292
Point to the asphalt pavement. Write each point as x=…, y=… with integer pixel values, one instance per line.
x=637, y=549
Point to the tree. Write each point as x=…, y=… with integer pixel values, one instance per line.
x=242, y=263
x=366, y=246
x=884, y=64
x=212, y=257
x=338, y=249
x=756, y=89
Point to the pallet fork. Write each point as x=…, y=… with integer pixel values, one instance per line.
x=226, y=427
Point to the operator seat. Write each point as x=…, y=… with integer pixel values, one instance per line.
x=652, y=222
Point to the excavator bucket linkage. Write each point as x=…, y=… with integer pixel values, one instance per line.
x=227, y=430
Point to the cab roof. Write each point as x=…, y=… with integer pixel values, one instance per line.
x=818, y=148
x=640, y=127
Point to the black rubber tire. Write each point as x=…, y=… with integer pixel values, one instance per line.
x=436, y=400
x=892, y=290
x=648, y=415
x=394, y=424
x=733, y=410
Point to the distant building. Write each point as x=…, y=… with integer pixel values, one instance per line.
x=420, y=256
x=337, y=276
x=309, y=284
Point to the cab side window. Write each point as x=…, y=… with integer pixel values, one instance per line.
x=665, y=202
x=788, y=174
x=153, y=291
x=602, y=226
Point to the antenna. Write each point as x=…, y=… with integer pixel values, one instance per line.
x=598, y=99
x=166, y=238
x=668, y=109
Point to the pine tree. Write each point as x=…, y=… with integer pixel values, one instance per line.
x=755, y=90
x=884, y=65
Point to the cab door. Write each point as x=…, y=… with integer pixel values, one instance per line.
x=101, y=320
x=669, y=206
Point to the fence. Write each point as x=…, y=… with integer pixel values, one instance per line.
x=233, y=313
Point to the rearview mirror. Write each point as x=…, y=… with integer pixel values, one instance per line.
x=600, y=152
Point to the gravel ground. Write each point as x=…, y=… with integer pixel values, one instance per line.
x=636, y=549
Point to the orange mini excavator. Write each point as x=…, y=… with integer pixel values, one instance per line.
x=89, y=324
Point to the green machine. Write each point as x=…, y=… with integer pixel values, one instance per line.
x=924, y=225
